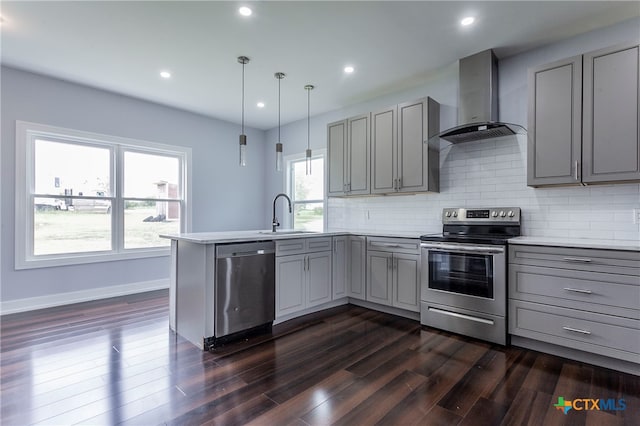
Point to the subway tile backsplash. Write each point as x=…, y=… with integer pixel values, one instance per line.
x=490, y=174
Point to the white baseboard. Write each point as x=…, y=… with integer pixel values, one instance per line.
x=40, y=302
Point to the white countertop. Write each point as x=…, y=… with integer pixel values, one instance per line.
x=267, y=235
x=631, y=245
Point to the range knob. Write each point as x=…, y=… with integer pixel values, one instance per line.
x=455, y=214
x=448, y=214
x=494, y=214
x=511, y=213
x=502, y=214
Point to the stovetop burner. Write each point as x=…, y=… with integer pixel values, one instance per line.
x=478, y=225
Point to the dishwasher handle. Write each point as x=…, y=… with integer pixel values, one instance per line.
x=245, y=249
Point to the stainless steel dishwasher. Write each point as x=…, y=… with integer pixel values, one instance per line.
x=244, y=287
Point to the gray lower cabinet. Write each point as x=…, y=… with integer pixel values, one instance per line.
x=339, y=267
x=584, y=299
x=349, y=267
x=303, y=274
x=348, y=145
x=393, y=272
x=356, y=267
x=584, y=115
x=402, y=160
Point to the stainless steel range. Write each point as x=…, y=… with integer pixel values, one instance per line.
x=464, y=272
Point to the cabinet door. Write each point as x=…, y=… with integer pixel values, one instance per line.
x=339, y=267
x=356, y=267
x=318, y=278
x=611, y=137
x=383, y=151
x=290, y=284
x=358, y=155
x=554, y=134
x=337, y=151
x=379, y=277
x=406, y=281
x=417, y=121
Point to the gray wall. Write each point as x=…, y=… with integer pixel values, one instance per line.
x=224, y=195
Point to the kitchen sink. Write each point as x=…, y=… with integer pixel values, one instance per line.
x=286, y=232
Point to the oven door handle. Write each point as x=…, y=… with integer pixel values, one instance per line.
x=463, y=249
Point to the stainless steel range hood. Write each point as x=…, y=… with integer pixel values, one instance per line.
x=478, y=102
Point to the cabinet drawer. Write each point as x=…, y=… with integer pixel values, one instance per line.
x=601, y=334
x=396, y=245
x=608, y=261
x=318, y=244
x=302, y=245
x=590, y=291
x=293, y=246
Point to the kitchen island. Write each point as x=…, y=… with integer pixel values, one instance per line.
x=193, y=274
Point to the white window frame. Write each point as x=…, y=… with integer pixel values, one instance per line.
x=288, y=184
x=27, y=133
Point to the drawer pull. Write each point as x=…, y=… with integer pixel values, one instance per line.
x=578, y=290
x=576, y=330
x=577, y=259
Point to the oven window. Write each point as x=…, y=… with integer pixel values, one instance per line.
x=470, y=274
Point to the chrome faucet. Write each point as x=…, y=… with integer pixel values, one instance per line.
x=274, y=221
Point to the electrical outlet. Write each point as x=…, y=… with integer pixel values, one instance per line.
x=636, y=216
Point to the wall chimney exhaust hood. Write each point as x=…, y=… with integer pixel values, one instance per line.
x=478, y=102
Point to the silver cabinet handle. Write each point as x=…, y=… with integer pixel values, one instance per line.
x=576, y=330
x=578, y=290
x=395, y=184
x=577, y=172
x=399, y=184
x=577, y=259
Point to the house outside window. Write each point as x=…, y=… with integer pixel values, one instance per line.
x=307, y=192
x=83, y=197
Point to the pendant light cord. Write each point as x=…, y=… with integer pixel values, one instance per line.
x=308, y=116
x=279, y=80
x=243, y=97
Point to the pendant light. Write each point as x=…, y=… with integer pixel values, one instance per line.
x=308, y=88
x=279, y=159
x=243, y=138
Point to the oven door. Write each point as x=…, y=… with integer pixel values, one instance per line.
x=466, y=276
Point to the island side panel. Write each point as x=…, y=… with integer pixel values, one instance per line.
x=173, y=276
x=191, y=293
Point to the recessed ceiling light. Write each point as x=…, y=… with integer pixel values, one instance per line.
x=165, y=74
x=349, y=69
x=467, y=21
x=245, y=11
x=260, y=104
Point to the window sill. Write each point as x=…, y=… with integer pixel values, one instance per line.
x=69, y=260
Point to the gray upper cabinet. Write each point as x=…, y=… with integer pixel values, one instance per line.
x=554, y=135
x=337, y=152
x=349, y=145
x=584, y=119
x=402, y=158
x=611, y=138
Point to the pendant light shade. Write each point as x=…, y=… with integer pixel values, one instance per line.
x=279, y=154
x=308, y=88
x=243, y=138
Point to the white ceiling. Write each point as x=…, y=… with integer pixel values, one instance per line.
x=122, y=46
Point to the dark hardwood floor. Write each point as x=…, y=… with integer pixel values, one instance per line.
x=116, y=361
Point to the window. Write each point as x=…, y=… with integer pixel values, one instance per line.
x=307, y=192
x=83, y=197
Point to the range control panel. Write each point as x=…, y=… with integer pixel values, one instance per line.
x=481, y=215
